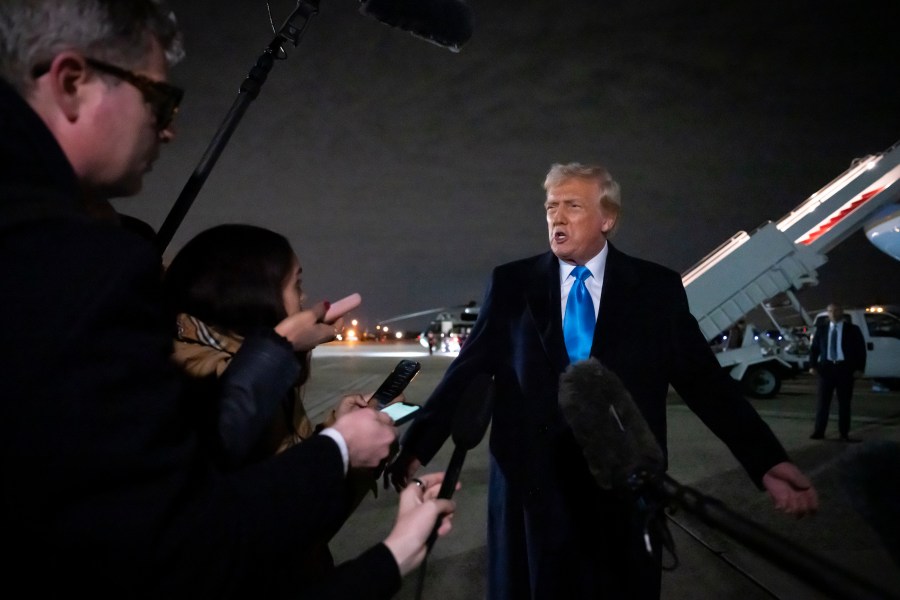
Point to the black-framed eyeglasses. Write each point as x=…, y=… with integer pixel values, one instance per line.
x=163, y=97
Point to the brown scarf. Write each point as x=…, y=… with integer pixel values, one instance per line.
x=202, y=350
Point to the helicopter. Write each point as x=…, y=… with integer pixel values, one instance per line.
x=448, y=330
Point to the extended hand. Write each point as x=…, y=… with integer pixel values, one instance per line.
x=419, y=510
x=790, y=490
x=369, y=435
x=349, y=403
x=305, y=329
x=402, y=470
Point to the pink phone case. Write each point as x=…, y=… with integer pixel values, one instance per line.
x=340, y=307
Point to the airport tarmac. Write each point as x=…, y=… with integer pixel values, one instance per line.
x=712, y=563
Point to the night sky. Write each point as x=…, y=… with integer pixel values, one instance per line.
x=405, y=172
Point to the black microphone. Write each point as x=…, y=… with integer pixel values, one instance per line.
x=610, y=429
x=470, y=422
x=447, y=23
x=623, y=455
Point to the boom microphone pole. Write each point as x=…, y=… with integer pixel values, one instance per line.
x=446, y=23
x=830, y=578
x=249, y=90
x=470, y=423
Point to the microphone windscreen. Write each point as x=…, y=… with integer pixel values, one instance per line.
x=473, y=412
x=446, y=23
x=608, y=426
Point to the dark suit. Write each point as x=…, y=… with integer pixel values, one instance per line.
x=552, y=532
x=836, y=378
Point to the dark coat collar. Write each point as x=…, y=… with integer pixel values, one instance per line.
x=543, y=299
x=543, y=294
x=36, y=179
x=619, y=282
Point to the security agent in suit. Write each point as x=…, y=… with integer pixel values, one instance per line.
x=837, y=355
x=552, y=532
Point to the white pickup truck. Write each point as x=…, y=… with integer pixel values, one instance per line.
x=761, y=359
x=880, y=326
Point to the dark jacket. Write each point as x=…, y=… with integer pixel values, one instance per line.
x=645, y=334
x=106, y=490
x=853, y=345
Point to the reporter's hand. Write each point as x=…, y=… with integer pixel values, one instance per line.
x=402, y=470
x=369, y=435
x=348, y=404
x=305, y=329
x=371, y=403
x=417, y=515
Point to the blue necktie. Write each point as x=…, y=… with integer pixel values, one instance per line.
x=578, y=324
x=832, y=343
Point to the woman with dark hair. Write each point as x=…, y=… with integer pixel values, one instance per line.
x=225, y=283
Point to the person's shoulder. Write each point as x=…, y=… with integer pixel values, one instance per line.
x=643, y=268
x=530, y=263
x=117, y=243
x=92, y=253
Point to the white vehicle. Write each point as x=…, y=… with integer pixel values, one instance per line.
x=880, y=326
x=749, y=270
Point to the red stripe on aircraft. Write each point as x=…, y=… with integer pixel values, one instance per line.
x=832, y=220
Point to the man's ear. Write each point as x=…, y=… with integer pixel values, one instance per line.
x=67, y=76
x=609, y=223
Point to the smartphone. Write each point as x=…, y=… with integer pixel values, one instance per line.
x=401, y=412
x=396, y=382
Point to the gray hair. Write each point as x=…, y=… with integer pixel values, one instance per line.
x=610, y=193
x=33, y=32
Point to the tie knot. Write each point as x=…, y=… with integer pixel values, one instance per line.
x=581, y=273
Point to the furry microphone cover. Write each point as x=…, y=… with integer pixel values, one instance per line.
x=607, y=424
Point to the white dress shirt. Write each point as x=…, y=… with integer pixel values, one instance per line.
x=840, y=338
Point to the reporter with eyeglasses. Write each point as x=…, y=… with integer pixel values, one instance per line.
x=106, y=490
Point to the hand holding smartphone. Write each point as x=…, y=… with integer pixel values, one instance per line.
x=396, y=382
x=401, y=412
